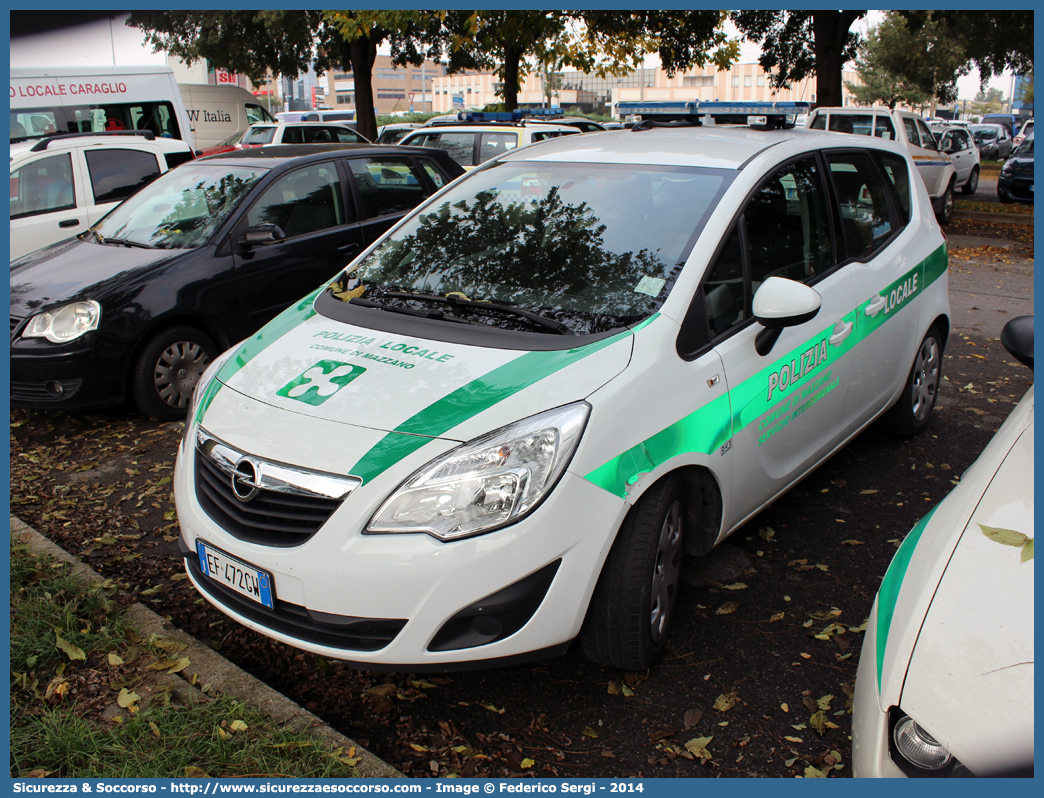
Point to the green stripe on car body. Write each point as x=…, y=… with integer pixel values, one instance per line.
x=709, y=427
x=290, y=318
x=888, y=593
x=469, y=400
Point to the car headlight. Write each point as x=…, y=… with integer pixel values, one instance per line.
x=918, y=747
x=488, y=482
x=65, y=324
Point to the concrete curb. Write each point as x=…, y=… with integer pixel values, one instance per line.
x=995, y=218
x=213, y=669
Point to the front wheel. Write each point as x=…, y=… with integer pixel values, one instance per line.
x=973, y=182
x=168, y=369
x=633, y=604
x=909, y=416
x=945, y=213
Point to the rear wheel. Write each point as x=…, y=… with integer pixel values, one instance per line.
x=168, y=369
x=946, y=206
x=973, y=182
x=909, y=416
x=633, y=604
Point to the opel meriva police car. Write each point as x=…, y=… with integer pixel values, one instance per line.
x=502, y=426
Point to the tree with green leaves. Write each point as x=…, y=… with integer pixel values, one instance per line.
x=994, y=41
x=797, y=44
x=289, y=42
x=897, y=65
x=599, y=42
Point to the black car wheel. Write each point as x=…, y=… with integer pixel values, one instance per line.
x=633, y=604
x=168, y=369
x=973, y=182
x=909, y=416
x=945, y=213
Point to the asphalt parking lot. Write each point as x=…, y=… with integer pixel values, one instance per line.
x=758, y=678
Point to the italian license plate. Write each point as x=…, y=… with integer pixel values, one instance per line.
x=235, y=574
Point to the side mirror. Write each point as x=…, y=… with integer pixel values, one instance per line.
x=781, y=303
x=1017, y=338
x=261, y=235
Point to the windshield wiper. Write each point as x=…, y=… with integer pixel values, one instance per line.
x=423, y=314
x=467, y=304
x=123, y=242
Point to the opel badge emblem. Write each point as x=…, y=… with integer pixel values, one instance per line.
x=245, y=480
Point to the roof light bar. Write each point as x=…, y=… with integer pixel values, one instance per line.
x=760, y=115
x=509, y=116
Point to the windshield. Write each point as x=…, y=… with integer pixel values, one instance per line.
x=1026, y=148
x=593, y=247
x=181, y=209
x=981, y=133
x=258, y=135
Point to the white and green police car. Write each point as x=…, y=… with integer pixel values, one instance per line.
x=504, y=424
x=945, y=681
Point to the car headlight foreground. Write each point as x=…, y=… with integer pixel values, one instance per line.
x=918, y=747
x=488, y=482
x=67, y=323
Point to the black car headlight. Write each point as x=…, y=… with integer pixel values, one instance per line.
x=65, y=324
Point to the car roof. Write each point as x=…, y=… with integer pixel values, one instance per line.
x=714, y=146
x=64, y=142
x=275, y=155
x=298, y=123
x=460, y=127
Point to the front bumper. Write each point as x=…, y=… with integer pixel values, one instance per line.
x=74, y=376
x=389, y=601
x=1018, y=187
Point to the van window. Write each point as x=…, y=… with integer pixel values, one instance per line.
x=255, y=113
x=116, y=174
x=155, y=116
x=43, y=186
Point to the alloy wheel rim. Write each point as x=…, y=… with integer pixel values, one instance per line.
x=926, y=378
x=666, y=572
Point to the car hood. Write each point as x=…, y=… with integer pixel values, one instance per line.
x=75, y=269
x=1020, y=163
x=383, y=395
x=970, y=678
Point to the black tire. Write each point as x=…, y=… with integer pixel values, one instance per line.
x=973, y=182
x=633, y=604
x=168, y=369
x=909, y=416
x=945, y=213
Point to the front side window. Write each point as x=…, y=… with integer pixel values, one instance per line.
x=116, y=174
x=43, y=186
x=494, y=144
x=302, y=202
x=181, y=209
x=865, y=219
x=255, y=113
x=785, y=233
x=460, y=146
x=911, y=131
x=927, y=137
x=593, y=247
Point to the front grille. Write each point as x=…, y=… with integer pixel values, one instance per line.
x=293, y=620
x=271, y=518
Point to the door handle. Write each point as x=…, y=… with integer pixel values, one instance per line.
x=841, y=331
x=349, y=249
x=876, y=305
x=69, y=223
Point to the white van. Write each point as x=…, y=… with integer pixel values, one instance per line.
x=97, y=99
x=216, y=112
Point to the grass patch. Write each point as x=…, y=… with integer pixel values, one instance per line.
x=89, y=698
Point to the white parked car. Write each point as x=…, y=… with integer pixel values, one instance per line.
x=291, y=132
x=957, y=142
x=935, y=167
x=63, y=184
x=945, y=681
x=1026, y=129
x=505, y=423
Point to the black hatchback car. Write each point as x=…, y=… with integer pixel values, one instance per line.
x=196, y=261
x=1015, y=183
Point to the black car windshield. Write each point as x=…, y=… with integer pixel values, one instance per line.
x=593, y=247
x=1026, y=148
x=180, y=209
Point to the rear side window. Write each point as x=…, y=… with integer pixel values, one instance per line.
x=862, y=198
x=494, y=144
x=883, y=128
x=436, y=175
x=387, y=185
x=460, y=146
x=896, y=171
x=116, y=174
x=43, y=186
x=860, y=124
